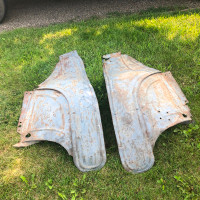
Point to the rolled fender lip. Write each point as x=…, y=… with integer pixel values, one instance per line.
x=64, y=109
x=144, y=102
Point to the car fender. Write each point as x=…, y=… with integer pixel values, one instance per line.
x=64, y=109
x=144, y=102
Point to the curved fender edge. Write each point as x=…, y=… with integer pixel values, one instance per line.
x=64, y=109
x=144, y=102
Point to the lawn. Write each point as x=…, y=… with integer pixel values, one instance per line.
x=165, y=39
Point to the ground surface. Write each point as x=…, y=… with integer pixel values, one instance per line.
x=26, y=13
x=162, y=39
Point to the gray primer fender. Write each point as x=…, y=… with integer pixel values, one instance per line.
x=144, y=102
x=64, y=109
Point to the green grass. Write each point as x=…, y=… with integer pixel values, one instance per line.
x=159, y=39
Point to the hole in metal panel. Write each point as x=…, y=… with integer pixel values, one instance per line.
x=184, y=115
x=28, y=135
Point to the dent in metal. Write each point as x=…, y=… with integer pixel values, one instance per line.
x=144, y=102
x=64, y=109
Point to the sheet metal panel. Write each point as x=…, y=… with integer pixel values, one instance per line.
x=144, y=102
x=64, y=109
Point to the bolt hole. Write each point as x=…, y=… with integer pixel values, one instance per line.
x=160, y=117
x=184, y=115
x=167, y=112
x=158, y=110
x=169, y=119
x=28, y=135
x=20, y=125
x=106, y=59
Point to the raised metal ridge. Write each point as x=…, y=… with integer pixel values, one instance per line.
x=64, y=109
x=144, y=102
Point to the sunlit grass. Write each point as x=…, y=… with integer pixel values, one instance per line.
x=187, y=27
x=59, y=34
x=165, y=41
x=13, y=171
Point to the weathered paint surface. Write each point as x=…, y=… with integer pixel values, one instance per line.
x=144, y=102
x=64, y=109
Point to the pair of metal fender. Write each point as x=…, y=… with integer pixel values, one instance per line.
x=144, y=102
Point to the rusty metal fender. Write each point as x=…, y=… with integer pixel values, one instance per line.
x=144, y=102
x=64, y=109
